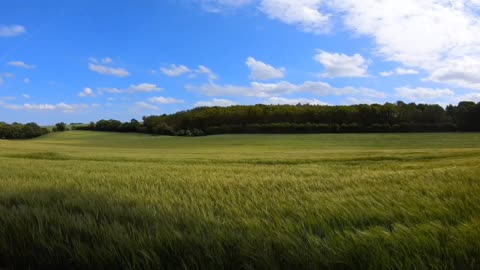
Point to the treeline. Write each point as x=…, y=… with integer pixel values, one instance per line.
x=21, y=131
x=389, y=117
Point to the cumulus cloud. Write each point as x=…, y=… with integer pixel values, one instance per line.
x=20, y=64
x=294, y=101
x=342, y=65
x=262, y=71
x=165, y=100
x=304, y=14
x=215, y=103
x=420, y=94
x=11, y=30
x=175, y=71
x=87, y=92
x=464, y=72
x=437, y=36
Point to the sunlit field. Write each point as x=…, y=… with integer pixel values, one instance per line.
x=84, y=200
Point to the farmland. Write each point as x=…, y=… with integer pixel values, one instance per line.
x=88, y=200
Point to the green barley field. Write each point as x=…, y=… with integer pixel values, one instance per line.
x=84, y=200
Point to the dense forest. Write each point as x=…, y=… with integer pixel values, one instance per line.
x=283, y=119
x=389, y=117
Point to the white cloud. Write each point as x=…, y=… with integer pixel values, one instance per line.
x=11, y=30
x=294, y=101
x=475, y=97
x=63, y=107
x=175, y=71
x=266, y=90
x=133, y=89
x=305, y=14
x=262, y=71
x=165, y=100
x=342, y=65
x=144, y=88
x=406, y=71
x=203, y=70
x=26, y=96
x=431, y=35
x=87, y=92
x=464, y=72
x=215, y=103
x=387, y=73
x=420, y=94
x=145, y=105
x=400, y=72
x=101, y=69
x=20, y=64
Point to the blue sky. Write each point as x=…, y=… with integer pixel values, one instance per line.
x=81, y=61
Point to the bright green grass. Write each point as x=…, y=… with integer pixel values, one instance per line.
x=89, y=200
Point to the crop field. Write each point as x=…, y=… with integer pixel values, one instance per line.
x=84, y=200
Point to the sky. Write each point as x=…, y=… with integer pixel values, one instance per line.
x=81, y=61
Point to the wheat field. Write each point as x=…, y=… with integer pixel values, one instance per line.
x=84, y=200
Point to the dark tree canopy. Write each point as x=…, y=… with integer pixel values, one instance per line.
x=389, y=117
x=20, y=131
x=60, y=127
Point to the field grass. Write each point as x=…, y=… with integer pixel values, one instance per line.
x=87, y=200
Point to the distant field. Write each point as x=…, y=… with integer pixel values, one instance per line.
x=87, y=200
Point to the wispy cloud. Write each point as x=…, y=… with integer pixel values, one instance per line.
x=400, y=72
x=118, y=72
x=20, y=64
x=133, y=89
x=175, y=71
x=265, y=90
x=145, y=105
x=12, y=30
x=165, y=100
x=216, y=102
x=62, y=107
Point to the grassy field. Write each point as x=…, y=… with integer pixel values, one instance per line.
x=87, y=200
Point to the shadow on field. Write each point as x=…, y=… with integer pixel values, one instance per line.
x=53, y=229
x=67, y=229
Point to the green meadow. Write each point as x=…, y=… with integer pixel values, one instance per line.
x=85, y=200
